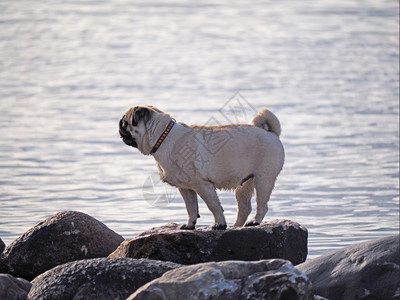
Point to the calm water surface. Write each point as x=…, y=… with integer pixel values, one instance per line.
x=328, y=69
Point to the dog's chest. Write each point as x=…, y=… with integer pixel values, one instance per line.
x=179, y=174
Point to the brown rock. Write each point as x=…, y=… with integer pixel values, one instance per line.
x=368, y=270
x=276, y=239
x=67, y=236
x=2, y=246
x=98, y=278
x=230, y=280
x=12, y=288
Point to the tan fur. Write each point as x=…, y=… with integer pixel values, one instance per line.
x=200, y=159
x=267, y=121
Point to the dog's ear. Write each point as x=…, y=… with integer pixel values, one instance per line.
x=140, y=113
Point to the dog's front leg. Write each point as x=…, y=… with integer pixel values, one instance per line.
x=192, y=207
x=207, y=192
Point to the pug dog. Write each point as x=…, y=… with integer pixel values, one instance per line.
x=200, y=159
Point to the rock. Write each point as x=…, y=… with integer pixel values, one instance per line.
x=98, y=278
x=275, y=239
x=67, y=236
x=230, y=280
x=316, y=297
x=369, y=270
x=12, y=288
x=2, y=246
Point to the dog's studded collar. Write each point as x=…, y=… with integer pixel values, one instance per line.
x=163, y=136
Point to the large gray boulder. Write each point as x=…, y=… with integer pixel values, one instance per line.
x=99, y=278
x=369, y=270
x=230, y=280
x=12, y=288
x=276, y=239
x=67, y=236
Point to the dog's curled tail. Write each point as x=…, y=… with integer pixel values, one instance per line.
x=266, y=120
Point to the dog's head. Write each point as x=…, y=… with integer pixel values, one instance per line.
x=141, y=126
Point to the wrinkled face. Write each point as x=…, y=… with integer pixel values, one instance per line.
x=125, y=131
x=132, y=125
x=141, y=127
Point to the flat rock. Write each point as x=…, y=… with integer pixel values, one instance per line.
x=229, y=280
x=368, y=270
x=12, y=288
x=98, y=278
x=276, y=239
x=67, y=236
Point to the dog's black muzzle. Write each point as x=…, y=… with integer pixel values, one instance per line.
x=125, y=134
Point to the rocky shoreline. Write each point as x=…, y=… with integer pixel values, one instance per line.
x=71, y=255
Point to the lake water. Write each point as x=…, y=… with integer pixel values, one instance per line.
x=327, y=69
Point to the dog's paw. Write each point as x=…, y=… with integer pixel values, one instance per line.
x=218, y=227
x=187, y=227
x=252, y=223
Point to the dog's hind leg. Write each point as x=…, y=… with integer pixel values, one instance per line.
x=243, y=196
x=207, y=192
x=192, y=207
x=264, y=187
